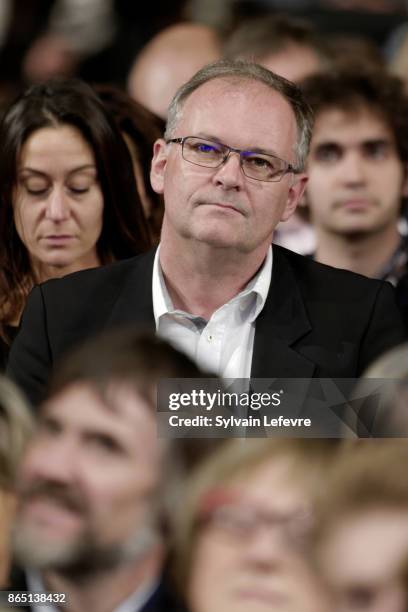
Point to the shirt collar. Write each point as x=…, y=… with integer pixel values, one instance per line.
x=162, y=303
x=258, y=287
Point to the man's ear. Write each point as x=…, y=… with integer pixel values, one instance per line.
x=158, y=165
x=295, y=194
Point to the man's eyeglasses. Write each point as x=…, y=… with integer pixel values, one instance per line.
x=210, y=154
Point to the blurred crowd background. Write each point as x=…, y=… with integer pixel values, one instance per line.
x=112, y=41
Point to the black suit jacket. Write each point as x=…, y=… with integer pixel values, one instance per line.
x=317, y=320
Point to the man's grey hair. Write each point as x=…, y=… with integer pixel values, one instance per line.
x=248, y=71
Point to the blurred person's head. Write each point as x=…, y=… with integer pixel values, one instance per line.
x=362, y=528
x=15, y=428
x=357, y=164
x=169, y=60
x=241, y=536
x=288, y=46
x=69, y=199
x=95, y=480
x=346, y=51
x=382, y=396
x=140, y=129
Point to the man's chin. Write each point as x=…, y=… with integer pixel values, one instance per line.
x=78, y=554
x=38, y=549
x=217, y=237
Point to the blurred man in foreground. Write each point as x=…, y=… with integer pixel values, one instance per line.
x=94, y=482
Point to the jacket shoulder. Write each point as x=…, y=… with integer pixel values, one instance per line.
x=105, y=279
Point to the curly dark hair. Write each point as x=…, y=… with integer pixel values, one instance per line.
x=354, y=88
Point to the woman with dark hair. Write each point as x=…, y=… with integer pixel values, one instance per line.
x=68, y=194
x=140, y=129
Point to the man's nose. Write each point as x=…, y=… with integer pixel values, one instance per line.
x=229, y=175
x=53, y=461
x=354, y=168
x=57, y=205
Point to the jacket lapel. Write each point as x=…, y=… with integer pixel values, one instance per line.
x=281, y=323
x=18, y=582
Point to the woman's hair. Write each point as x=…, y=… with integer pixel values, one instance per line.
x=143, y=128
x=60, y=102
x=16, y=424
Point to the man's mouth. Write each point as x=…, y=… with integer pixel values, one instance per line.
x=356, y=204
x=50, y=512
x=267, y=597
x=226, y=206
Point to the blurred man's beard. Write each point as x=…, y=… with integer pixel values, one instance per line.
x=81, y=555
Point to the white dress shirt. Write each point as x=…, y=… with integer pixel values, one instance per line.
x=223, y=345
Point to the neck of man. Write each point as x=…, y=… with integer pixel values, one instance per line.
x=200, y=278
x=105, y=590
x=364, y=253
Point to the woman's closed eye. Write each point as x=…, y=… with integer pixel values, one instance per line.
x=79, y=189
x=36, y=187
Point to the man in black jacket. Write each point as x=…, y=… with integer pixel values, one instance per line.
x=230, y=168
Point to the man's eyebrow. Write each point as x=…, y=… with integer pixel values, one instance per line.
x=207, y=136
x=377, y=141
x=335, y=143
x=328, y=143
x=260, y=150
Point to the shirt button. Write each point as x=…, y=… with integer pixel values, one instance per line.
x=209, y=338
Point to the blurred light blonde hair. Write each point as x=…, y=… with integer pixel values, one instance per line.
x=16, y=424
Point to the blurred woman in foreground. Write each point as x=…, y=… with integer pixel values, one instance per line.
x=242, y=534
